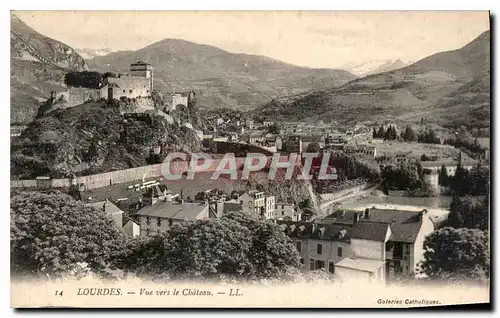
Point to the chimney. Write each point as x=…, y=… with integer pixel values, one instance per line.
x=367, y=213
x=356, y=217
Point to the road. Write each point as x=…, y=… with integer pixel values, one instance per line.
x=345, y=197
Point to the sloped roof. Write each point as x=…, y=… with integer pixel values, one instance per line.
x=110, y=207
x=308, y=230
x=372, y=231
x=174, y=210
x=405, y=225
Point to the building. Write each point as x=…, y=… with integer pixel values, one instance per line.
x=431, y=177
x=450, y=165
x=361, y=150
x=177, y=99
x=258, y=202
x=132, y=229
x=287, y=211
x=267, y=123
x=294, y=144
x=161, y=216
x=110, y=210
x=139, y=83
x=378, y=244
x=250, y=124
x=43, y=182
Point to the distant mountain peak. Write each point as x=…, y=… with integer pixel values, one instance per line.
x=374, y=66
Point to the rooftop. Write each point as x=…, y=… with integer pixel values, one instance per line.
x=110, y=207
x=404, y=224
x=173, y=210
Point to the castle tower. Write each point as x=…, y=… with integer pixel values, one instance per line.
x=142, y=69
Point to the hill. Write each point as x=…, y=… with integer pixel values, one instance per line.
x=94, y=138
x=373, y=67
x=220, y=78
x=438, y=87
x=38, y=65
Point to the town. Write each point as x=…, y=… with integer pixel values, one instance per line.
x=123, y=175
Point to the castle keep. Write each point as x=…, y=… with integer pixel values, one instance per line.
x=139, y=83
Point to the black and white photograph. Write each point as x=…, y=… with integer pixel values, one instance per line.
x=249, y=159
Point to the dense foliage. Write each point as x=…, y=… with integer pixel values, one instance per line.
x=51, y=232
x=469, y=212
x=388, y=134
x=456, y=254
x=428, y=137
x=86, y=79
x=406, y=176
x=236, y=245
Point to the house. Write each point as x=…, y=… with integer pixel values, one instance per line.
x=258, y=202
x=177, y=99
x=250, y=124
x=157, y=193
x=286, y=211
x=380, y=244
x=450, y=165
x=110, y=210
x=43, y=182
x=161, y=216
x=131, y=228
x=267, y=123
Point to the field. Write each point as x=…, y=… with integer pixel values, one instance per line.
x=416, y=150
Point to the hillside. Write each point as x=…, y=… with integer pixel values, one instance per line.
x=373, y=67
x=438, y=87
x=94, y=138
x=220, y=78
x=38, y=65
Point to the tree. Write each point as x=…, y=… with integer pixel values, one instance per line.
x=381, y=133
x=237, y=245
x=313, y=147
x=468, y=212
x=443, y=177
x=51, y=232
x=274, y=128
x=456, y=254
x=374, y=133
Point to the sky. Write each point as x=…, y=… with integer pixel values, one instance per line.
x=320, y=39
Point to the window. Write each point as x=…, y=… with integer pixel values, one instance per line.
x=124, y=91
x=319, y=249
x=302, y=261
x=147, y=220
x=147, y=91
x=299, y=246
x=320, y=264
x=331, y=267
x=158, y=222
x=311, y=264
x=282, y=213
x=282, y=206
x=130, y=91
x=339, y=251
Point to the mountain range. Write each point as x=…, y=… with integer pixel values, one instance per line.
x=220, y=78
x=88, y=54
x=449, y=88
x=373, y=67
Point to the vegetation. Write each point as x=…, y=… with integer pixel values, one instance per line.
x=237, y=245
x=86, y=79
x=428, y=137
x=461, y=254
x=469, y=212
x=406, y=176
x=388, y=134
x=94, y=138
x=50, y=233
x=408, y=134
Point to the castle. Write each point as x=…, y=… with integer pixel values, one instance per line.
x=138, y=84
